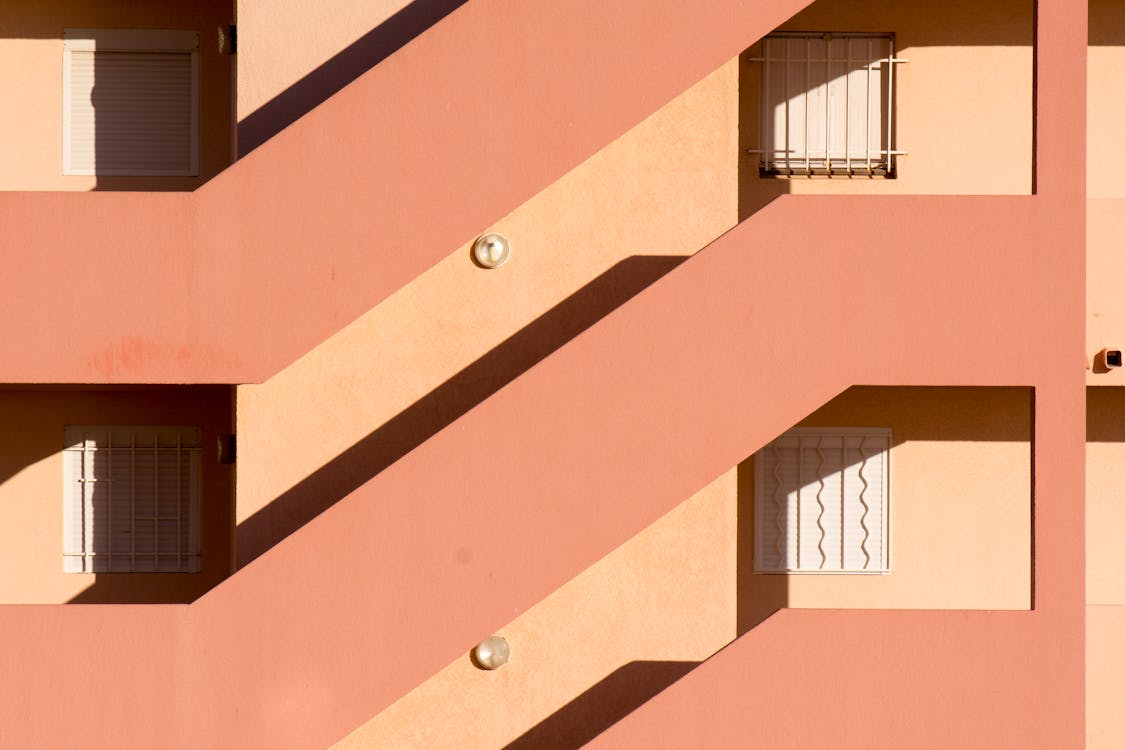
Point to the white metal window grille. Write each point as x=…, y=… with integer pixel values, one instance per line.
x=827, y=105
x=130, y=102
x=131, y=499
x=821, y=502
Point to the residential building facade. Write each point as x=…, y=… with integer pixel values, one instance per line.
x=790, y=417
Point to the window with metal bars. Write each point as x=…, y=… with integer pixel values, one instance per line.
x=827, y=105
x=131, y=499
x=821, y=501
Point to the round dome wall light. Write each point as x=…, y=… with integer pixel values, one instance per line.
x=491, y=250
x=491, y=653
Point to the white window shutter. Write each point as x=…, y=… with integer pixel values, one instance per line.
x=821, y=501
x=130, y=103
x=825, y=103
x=131, y=499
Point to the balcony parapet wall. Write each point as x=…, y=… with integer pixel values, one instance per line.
x=739, y=342
x=241, y=277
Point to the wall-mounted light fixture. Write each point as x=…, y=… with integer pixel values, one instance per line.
x=491, y=653
x=491, y=250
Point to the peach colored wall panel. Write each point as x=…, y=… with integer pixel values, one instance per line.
x=1105, y=503
x=1105, y=677
x=1106, y=59
x=1105, y=303
x=963, y=102
x=31, y=75
x=959, y=500
x=31, y=492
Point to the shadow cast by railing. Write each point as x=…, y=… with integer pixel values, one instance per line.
x=432, y=413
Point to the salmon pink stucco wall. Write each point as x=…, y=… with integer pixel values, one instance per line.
x=665, y=188
x=266, y=664
x=662, y=600
x=31, y=76
x=684, y=588
x=444, y=584
x=257, y=665
x=931, y=680
x=249, y=315
x=31, y=490
x=595, y=237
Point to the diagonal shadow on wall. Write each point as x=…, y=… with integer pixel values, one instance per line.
x=433, y=412
x=628, y=688
x=955, y=414
x=602, y=706
x=339, y=70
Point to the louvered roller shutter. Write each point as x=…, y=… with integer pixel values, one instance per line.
x=131, y=499
x=821, y=502
x=130, y=106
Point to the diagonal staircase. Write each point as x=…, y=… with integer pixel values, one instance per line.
x=737, y=343
x=234, y=281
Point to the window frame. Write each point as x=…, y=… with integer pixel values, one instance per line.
x=142, y=438
x=885, y=166
x=130, y=40
x=882, y=433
